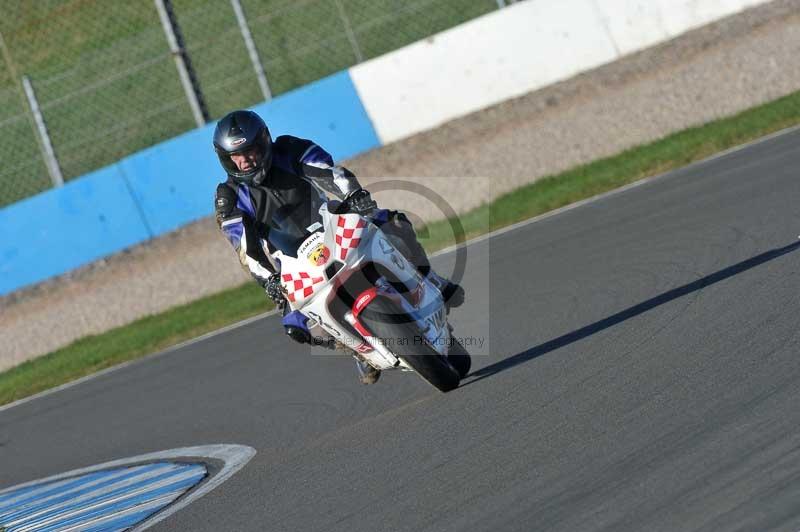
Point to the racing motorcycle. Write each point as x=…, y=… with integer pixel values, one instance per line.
x=344, y=274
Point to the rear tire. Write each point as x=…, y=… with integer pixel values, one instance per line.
x=402, y=337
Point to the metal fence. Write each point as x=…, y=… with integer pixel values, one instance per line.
x=106, y=80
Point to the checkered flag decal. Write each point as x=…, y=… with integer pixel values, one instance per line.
x=299, y=286
x=348, y=235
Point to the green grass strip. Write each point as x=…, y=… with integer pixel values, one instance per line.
x=154, y=333
x=674, y=151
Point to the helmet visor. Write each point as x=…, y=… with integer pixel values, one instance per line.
x=250, y=160
x=245, y=161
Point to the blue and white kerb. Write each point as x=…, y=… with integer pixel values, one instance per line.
x=114, y=499
x=129, y=494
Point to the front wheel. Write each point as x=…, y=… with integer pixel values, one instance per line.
x=392, y=327
x=459, y=358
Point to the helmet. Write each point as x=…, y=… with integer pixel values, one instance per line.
x=238, y=132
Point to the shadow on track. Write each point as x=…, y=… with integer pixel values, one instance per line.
x=629, y=313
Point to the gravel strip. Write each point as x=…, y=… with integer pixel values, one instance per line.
x=712, y=72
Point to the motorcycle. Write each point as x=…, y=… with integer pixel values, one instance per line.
x=347, y=277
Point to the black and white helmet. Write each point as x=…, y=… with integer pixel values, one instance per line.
x=238, y=132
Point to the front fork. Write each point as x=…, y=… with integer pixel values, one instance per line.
x=432, y=328
x=351, y=317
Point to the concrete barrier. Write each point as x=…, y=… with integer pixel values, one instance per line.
x=514, y=51
x=57, y=231
x=638, y=24
x=160, y=188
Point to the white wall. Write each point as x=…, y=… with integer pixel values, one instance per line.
x=638, y=24
x=513, y=51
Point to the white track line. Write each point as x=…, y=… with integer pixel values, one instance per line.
x=481, y=238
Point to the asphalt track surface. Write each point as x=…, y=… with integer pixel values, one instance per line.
x=643, y=375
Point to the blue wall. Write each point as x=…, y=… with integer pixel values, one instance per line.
x=161, y=188
x=56, y=231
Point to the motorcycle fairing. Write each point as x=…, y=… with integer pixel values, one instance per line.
x=312, y=277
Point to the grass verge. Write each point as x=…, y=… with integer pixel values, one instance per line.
x=671, y=152
x=154, y=333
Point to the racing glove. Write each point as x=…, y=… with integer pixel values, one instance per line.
x=361, y=202
x=275, y=290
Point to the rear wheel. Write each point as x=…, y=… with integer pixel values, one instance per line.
x=392, y=327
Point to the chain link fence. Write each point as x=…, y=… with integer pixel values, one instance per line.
x=107, y=84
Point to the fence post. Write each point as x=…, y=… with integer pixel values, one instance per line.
x=12, y=70
x=251, y=49
x=182, y=62
x=47, y=148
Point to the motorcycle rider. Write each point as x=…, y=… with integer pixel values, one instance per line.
x=268, y=180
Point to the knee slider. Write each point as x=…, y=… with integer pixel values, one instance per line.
x=295, y=325
x=298, y=335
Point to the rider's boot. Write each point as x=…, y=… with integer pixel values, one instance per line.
x=452, y=293
x=401, y=233
x=366, y=373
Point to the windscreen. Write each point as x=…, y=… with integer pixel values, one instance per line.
x=290, y=225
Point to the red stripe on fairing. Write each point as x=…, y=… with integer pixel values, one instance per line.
x=361, y=330
x=364, y=347
x=363, y=300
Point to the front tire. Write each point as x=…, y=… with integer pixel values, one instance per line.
x=392, y=327
x=459, y=358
